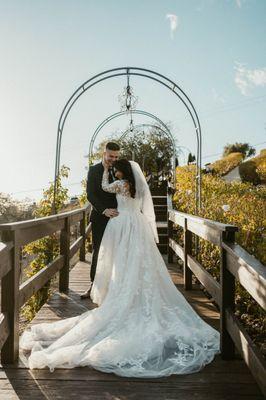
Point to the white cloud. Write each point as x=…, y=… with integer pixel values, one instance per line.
x=174, y=22
x=247, y=79
x=239, y=3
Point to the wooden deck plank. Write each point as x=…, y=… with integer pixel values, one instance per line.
x=220, y=380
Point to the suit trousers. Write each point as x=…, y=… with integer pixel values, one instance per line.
x=98, y=225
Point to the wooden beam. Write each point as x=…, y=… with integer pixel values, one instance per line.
x=30, y=234
x=4, y=329
x=83, y=224
x=12, y=226
x=204, y=231
x=187, y=254
x=180, y=216
x=179, y=250
x=65, y=251
x=10, y=301
x=253, y=358
x=170, y=252
x=205, y=278
x=227, y=281
x=5, y=258
x=249, y=271
x=88, y=230
x=75, y=246
x=37, y=281
x=75, y=218
x=177, y=218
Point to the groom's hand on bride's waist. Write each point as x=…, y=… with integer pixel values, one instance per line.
x=110, y=212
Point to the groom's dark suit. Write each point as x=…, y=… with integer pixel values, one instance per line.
x=100, y=200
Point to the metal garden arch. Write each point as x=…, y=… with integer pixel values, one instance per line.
x=141, y=72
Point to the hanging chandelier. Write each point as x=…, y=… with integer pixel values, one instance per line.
x=127, y=99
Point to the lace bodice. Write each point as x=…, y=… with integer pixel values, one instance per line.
x=121, y=188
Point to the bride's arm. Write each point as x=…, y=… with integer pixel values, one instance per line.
x=114, y=187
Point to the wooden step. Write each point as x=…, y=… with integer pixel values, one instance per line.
x=162, y=227
x=163, y=239
x=160, y=217
x=160, y=207
x=159, y=200
x=162, y=248
x=162, y=231
x=158, y=192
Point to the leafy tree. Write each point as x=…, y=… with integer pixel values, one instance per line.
x=13, y=210
x=191, y=159
x=152, y=150
x=243, y=148
x=46, y=249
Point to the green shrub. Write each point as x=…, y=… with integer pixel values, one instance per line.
x=254, y=170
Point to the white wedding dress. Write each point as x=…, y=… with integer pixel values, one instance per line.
x=143, y=326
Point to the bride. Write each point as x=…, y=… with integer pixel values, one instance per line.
x=143, y=326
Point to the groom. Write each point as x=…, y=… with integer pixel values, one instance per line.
x=104, y=204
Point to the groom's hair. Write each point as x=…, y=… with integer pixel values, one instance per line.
x=112, y=146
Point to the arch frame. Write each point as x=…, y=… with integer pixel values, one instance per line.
x=141, y=72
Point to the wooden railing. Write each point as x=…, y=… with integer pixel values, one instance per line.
x=236, y=264
x=13, y=295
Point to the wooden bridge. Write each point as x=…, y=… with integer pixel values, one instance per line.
x=237, y=373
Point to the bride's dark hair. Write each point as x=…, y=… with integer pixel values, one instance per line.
x=124, y=166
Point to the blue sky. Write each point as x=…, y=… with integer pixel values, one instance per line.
x=215, y=51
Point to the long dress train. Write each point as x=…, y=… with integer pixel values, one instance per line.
x=143, y=326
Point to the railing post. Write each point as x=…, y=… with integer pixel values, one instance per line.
x=64, y=250
x=10, y=301
x=170, y=230
x=227, y=281
x=187, y=250
x=82, y=251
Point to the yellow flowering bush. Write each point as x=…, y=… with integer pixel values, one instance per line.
x=236, y=203
x=226, y=164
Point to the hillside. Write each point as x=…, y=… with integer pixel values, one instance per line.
x=226, y=164
x=252, y=170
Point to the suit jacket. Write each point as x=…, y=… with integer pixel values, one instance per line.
x=99, y=199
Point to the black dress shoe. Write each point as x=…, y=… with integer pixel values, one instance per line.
x=86, y=294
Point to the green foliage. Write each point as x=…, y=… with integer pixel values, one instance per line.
x=226, y=164
x=239, y=204
x=83, y=197
x=45, y=206
x=152, y=150
x=254, y=170
x=243, y=148
x=13, y=210
x=191, y=158
x=46, y=249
